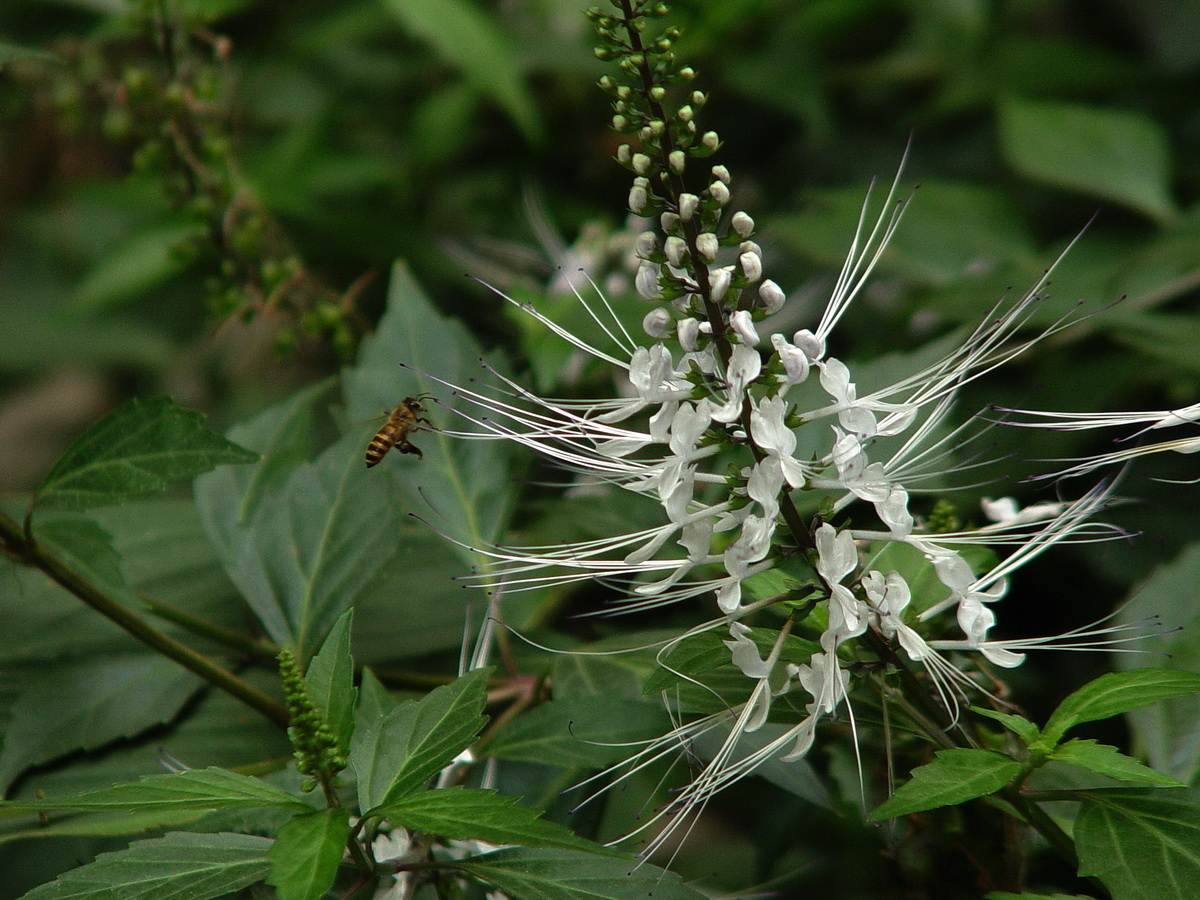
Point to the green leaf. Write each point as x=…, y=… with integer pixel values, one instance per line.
x=84, y=705
x=210, y=788
x=1006, y=895
x=1116, y=693
x=136, y=449
x=179, y=866
x=568, y=875
x=1166, y=732
x=306, y=853
x=1107, y=760
x=465, y=814
x=1113, y=154
x=1018, y=725
x=141, y=262
x=467, y=38
x=330, y=681
x=955, y=776
x=10, y=51
x=1143, y=844
x=398, y=747
x=468, y=483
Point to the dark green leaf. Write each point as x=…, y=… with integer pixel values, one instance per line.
x=568, y=875
x=1107, y=760
x=465, y=37
x=398, y=747
x=1116, y=693
x=87, y=704
x=955, y=776
x=1018, y=725
x=136, y=449
x=142, y=261
x=466, y=814
x=330, y=680
x=1144, y=844
x=210, y=788
x=306, y=853
x=178, y=866
x=1114, y=154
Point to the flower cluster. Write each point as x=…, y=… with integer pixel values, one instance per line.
x=757, y=445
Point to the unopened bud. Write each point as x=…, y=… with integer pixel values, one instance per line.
x=707, y=245
x=657, y=127
x=688, y=204
x=750, y=247
x=619, y=123
x=638, y=196
x=710, y=140
x=771, y=297
x=685, y=114
x=645, y=245
x=689, y=334
x=624, y=92
x=742, y=224
x=743, y=326
x=657, y=323
x=721, y=174
x=687, y=73
x=641, y=163
x=658, y=92
x=699, y=98
x=719, y=192
x=625, y=155
x=646, y=281
x=751, y=264
x=676, y=250
x=809, y=344
x=718, y=282
x=677, y=161
x=669, y=222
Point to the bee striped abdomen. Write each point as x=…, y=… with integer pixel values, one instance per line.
x=402, y=421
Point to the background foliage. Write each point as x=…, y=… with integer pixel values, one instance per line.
x=326, y=140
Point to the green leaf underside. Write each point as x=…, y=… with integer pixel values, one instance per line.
x=136, y=449
x=567, y=875
x=210, y=788
x=1107, y=760
x=955, y=776
x=1115, y=154
x=1143, y=844
x=306, y=854
x=461, y=813
x=85, y=705
x=179, y=866
x=398, y=747
x=1018, y=725
x=1116, y=693
x=330, y=681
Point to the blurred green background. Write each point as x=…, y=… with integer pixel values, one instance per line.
x=203, y=198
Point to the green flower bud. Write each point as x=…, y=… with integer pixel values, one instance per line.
x=641, y=163
x=677, y=161
x=657, y=93
x=685, y=114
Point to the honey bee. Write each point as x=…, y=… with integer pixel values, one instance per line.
x=402, y=421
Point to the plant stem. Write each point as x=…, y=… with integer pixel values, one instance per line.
x=26, y=550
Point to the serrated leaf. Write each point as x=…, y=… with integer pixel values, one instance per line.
x=84, y=705
x=568, y=875
x=307, y=851
x=467, y=38
x=210, y=788
x=398, y=747
x=1116, y=693
x=1110, y=153
x=180, y=866
x=1018, y=725
x=464, y=814
x=136, y=449
x=1107, y=760
x=1143, y=844
x=330, y=681
x=954, y=776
